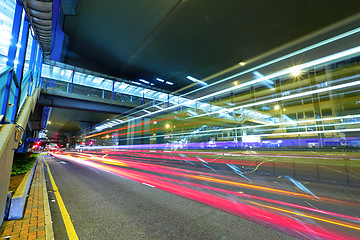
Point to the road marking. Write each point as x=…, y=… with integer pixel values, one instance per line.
x=64, y=213
x=148, y=184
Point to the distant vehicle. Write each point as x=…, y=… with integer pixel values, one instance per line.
x=80, y=148
x=211, y=144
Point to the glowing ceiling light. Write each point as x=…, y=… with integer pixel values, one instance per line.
x=242, y=63
x=196, y=80
x=295, y=71
x=167, y=126
x=323, y=60
x=170, y=83
x=276, y=107
x=144, y=81
x=160, y=80
x=330, y=40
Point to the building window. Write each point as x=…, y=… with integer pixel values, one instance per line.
x=326, y=112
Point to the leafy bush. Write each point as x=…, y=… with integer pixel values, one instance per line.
x=22, y=163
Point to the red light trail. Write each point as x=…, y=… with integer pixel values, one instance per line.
x=182, y=176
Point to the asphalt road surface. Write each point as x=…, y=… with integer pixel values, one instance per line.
x=152, y=195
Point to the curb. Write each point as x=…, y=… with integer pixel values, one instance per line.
x=7, y=205
x=49, y=232
x=19, y=198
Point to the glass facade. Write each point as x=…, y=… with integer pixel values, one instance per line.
x=316, y=108
x=15, y=87
x=7, y=10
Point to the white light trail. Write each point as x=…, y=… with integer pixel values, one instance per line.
x=320, y=61
x=322, y=43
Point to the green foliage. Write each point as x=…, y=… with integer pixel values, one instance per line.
x=22, y=163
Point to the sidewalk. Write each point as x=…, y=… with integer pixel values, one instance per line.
x=36, y=223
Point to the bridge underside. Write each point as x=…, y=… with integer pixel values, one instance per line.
x=52, y=98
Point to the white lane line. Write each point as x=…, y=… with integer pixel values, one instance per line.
x=92, y=169
x=148, y=184
x=115, y=174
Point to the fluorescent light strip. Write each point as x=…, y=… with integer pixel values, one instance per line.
x=192, y=78
x=287, y=71
x=345, y=85
x=311, y=132
x=196, y=80
x=184, y=134
x=307, y=126
x=322, y=43
x=275, y=134
x=160, y=80
x=280, y=73
x=170, y=83
x=277, y=124
x=144, y=81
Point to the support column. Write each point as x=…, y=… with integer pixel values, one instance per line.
x=72, y=81
x=113, y=90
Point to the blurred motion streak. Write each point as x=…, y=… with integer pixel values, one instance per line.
x=180, y=173
x=278, y=144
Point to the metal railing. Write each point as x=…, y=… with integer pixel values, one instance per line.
x=13, y=93
x=93, y=92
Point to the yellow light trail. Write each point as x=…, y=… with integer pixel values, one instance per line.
x=309, y=216
x=250, y=186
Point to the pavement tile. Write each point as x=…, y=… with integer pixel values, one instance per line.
x=32, y=225
x=32, y=236
x=7, y=232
